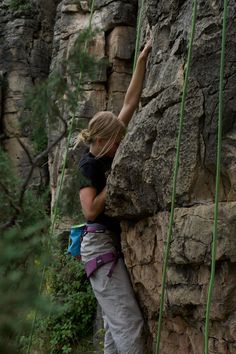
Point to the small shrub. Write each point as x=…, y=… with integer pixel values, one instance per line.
x=22, y=252
x=66, y=327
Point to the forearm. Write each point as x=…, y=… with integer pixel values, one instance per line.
x=134, y=91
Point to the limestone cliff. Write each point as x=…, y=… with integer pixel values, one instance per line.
x=140, y=183
x=139, y=186
x=25, y=56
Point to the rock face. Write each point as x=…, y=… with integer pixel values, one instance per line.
x=25, y=55
x=139, y=187
x=140, y=183
x=188, y=276
x=149, y=148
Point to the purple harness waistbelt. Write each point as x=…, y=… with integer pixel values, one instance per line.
x=97, y=228
x=99, y=261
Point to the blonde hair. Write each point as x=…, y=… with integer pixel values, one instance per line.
x=104, y=125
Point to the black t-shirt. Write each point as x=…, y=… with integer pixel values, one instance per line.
x=93, y=173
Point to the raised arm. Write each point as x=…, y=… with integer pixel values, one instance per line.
x=134, y=91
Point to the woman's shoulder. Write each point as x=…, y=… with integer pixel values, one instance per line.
x=87, y=159
x=89, y=166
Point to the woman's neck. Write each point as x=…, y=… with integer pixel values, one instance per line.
x=95, y=149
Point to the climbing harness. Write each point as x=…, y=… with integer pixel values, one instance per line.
x=76, y=235
x=97, y=262
x=176, y=167
x=217, y=186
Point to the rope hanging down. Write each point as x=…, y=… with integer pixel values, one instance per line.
x=217, y=186
x=138, y=34
x=54, y=216
x=175, y=173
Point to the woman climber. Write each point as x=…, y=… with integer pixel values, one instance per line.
x=100, y=248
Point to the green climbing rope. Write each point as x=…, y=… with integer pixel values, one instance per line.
x=55, y=209
x=175, y=173
x=138, y=34
x=55, y=213
x=217, y=186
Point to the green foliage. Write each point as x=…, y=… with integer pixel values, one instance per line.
x=70, y=288
x=21, y=253
x=33, y=209
x=41, y=107
x=8, y=184
x=20, y=5
x=86, y=345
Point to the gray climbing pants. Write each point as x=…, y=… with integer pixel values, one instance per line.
x=123, y=321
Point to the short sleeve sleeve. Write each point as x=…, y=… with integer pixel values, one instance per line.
x=92, y=176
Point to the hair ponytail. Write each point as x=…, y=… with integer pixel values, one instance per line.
x=84, y=137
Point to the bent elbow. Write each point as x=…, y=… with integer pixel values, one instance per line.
x=90, y=216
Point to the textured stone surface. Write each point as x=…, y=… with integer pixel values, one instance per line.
x=121, y=42
x=149, y=148
x=187, y=276
x=93, y=100
x=139, y=187
x=115, y=13
x=25, y=54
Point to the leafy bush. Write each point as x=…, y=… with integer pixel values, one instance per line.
x=22, y=251
x=65, y=328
